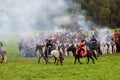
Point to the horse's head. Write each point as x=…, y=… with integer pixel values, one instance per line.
x=71, y=48
x=39, y=47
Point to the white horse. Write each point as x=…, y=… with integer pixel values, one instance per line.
x=56, y=53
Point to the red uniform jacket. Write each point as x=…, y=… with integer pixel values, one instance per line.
x=81, y=45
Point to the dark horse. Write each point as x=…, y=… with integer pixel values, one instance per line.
x=95, y=48
x=88, y=55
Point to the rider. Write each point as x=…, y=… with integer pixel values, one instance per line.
x=92, y=42
x=80, y=48
x=115, y=35
x=49, y=46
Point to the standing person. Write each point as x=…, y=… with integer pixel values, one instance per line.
x=93, y=31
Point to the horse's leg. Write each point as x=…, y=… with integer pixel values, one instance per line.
x=61, y=61
x=94, y=55
x=2, y=59
x=5, y=58
x=75, y=60
x=88, y=59
x=39, y=59
x=79, y=60
x=40, y=55
x=92, y=59
x=55, y=60
x=45, y=59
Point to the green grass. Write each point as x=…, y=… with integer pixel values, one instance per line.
x=20, y=68
x=106, y=68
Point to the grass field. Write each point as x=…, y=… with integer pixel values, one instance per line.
x=107, y=67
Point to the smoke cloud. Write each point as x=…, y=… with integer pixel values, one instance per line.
x=41, y=15
x=29, y=15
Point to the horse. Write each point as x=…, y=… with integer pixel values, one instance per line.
x=78, y=56
x=3, y=53
x=41, y=53
x=57, y=54
x=96, y=48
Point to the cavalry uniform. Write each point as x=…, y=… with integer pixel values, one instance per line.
x=92, y=43
x=115, y=35
x=49, y=47
x=81, y=48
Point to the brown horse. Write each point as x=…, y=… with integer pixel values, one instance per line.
x=95, y=48
x=88, y=55
x=41, y=53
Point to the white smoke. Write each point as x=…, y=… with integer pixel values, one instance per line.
x=41, y=15
x=29, y=15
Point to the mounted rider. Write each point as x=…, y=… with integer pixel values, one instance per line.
x=49, y=47
x=92, y=42
x=81, y=48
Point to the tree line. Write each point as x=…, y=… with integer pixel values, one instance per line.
x=102, y=12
